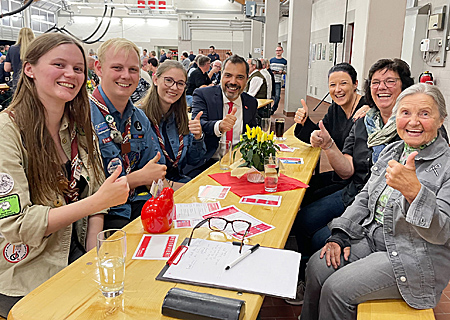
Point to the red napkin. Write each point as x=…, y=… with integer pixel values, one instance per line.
x=242, y=187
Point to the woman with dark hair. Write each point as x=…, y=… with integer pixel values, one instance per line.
x=367, y=138
x=179, y=139
x=342, y=85
x=51, y=193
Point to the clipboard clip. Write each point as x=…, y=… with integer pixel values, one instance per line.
x=177, y=255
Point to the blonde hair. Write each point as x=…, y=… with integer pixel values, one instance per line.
x=44, y=164
x=118, y=44
x=26, y=35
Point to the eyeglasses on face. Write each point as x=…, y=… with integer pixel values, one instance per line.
x=169, y=82
x=389, y=83
x=240, y=227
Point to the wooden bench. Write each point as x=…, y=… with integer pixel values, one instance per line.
x=392, y=309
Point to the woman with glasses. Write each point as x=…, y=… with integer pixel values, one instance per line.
x=176, y=137
x=367, y=138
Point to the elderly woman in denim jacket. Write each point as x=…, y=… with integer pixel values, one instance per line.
x=177, y=138
x=392, y=242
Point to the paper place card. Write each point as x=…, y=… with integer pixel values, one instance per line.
x=156, y=247
x=291, y=160
x=187, y=215
x=262, y=200
x=233, y=213
x=286, y=148
x=213, y=192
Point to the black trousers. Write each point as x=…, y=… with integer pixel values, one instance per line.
x=6, y=304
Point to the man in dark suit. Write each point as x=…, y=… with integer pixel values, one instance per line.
x=226, y=108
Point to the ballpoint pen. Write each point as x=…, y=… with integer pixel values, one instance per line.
x=242, y=257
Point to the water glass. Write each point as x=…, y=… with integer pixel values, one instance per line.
x=111, y=253
x=265, y=125
x=271, y=168
x=225, y=154
x=279, y=128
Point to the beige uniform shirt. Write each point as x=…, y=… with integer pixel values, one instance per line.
x=28, y=257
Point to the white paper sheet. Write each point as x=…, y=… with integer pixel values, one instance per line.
x=204, y=263
x=189, y=214
x=262, y=200
x=213, y=192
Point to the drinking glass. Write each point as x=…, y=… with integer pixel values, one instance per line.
x=279, y=128
x=111, y=253
x=224, y=154
x=265, y=125
x=271, y=168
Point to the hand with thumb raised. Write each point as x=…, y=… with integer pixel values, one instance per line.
x=228, y=121
x=321, y=138
x=195, y=126
x=114, y=191
x=302, y=113
x=233, y=111
x=403, y=177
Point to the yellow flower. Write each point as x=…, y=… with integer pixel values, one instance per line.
x=258, y=137
x=241, y=138
x=248, y=128
x=264, y=137
x=271, y=136
x=253, y=133
x=249, y=134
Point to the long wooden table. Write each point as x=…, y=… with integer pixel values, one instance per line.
x=74, y=292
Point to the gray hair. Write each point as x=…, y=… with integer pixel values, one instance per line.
x=429, y=90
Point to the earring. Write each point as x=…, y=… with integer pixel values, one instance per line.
x=31, y=76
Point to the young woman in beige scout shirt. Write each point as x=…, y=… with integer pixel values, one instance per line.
x=51, y=191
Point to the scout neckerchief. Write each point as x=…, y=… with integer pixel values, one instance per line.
x=75, y=165
x=163, y=148
x=119, y=138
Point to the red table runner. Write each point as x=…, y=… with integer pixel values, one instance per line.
x=242, y=187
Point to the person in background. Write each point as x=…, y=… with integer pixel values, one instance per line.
x=226, y=109
x=91, y=72
x=4, y=76
x=215, y=73
x=123, y=130
x=193, y=65
x=7, y=46
x=166, y=56
x=13, y=62
x=266, y=76
x=393, y=241
x=368, y=137
x=92, y=54
x=5, y=95
x=213, y=56
x=152, y=65
x=180, y=140
x=198, y=78
x=185, y=60
x=152, y=54
x=191, y=55
x=228, y=54
x=144, y=55
x=278, y=64
x=53, y=191
x=256, y=84
x=2, y=50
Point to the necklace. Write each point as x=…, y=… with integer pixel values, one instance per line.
x=353, y=107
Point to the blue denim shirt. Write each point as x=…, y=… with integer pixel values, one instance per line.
x=193, y=150
x=142, y=145
x=416, y=234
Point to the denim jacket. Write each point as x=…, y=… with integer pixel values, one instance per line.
x=417, y=234
x=142, y=142
x=193, y=150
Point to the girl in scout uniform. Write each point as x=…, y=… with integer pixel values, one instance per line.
x=179, y=139
x=51, y=192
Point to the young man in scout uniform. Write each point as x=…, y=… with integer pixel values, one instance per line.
x=123, y=129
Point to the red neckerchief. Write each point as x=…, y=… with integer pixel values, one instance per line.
x=163, y=148
x=98, y=100
x=75, y=168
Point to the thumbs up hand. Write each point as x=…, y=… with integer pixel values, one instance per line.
x=321, y=138
x=228, y=121
x=195, y=127
x=302, y=113
x=403, y=177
